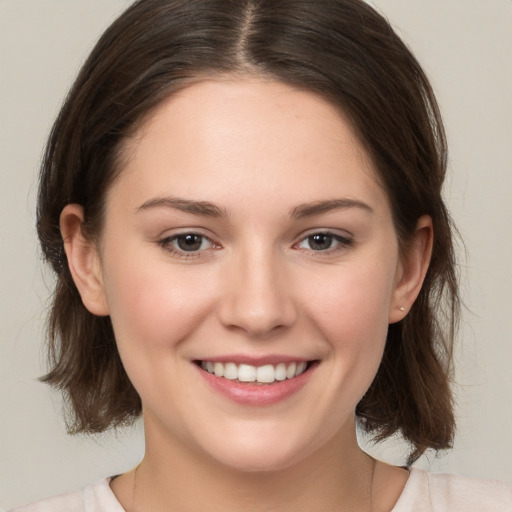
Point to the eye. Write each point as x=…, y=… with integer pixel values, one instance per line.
x=187, y=243
x=191, y=242
x=323, y=241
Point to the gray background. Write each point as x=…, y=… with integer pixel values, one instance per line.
x=465, y=46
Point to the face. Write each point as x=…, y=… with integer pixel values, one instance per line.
x=250, y=267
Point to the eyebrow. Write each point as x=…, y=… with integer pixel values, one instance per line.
x=319, y=207
x=207, y=209
x=203, y=208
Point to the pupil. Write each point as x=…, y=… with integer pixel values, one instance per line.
x=320, y=242
x=189, y=242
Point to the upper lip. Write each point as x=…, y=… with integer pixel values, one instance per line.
x=254, y=360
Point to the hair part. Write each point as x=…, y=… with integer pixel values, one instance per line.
x=342, y=50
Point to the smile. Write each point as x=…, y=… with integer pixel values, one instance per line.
x=267, y=381
x=266, y=374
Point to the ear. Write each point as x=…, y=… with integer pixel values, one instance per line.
x=83, y=260
x=412, y=269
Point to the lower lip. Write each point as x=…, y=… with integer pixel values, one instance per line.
x=257, y=394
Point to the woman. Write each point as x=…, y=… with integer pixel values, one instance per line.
x=241, y=201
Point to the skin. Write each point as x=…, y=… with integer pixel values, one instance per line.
x=259, y=151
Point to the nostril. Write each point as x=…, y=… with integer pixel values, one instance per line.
x=260, y=322
x=256, y=297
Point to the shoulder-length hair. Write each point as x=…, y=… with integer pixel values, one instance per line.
x=342, y=50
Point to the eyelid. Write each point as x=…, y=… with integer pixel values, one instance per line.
x=166, y=242
x=341, y=233
x=344, y=240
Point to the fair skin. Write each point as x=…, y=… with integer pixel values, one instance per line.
x=248, y=227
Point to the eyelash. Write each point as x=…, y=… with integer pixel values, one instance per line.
x=341, y=242
x=170, y=244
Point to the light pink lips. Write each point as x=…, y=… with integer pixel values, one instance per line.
x=255, y=393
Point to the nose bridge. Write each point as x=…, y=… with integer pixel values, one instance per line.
x=257, y=298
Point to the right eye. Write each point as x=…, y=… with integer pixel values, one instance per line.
x=186, y=244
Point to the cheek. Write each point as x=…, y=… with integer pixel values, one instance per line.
x=153, y=304
x=353, y=301
x=351, y=313
x=154, y=308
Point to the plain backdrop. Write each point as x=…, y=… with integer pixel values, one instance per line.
x=466, y=48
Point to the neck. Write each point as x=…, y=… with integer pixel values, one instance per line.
x=338, y=477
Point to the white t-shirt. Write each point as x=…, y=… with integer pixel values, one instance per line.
x=423, y=492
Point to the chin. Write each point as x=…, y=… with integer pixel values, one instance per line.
x=262, y=451
x=257, y=461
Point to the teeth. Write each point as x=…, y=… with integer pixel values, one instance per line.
x=246, y=373
x=280, y=372
x=230, y=371
x=300, y=368
x=265, y=373
x=262, y=374
x=218, y=369
x=290, y=371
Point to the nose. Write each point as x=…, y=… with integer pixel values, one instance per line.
x=258, y=297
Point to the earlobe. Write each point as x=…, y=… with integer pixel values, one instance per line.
x=412, y=270
x=83, y=260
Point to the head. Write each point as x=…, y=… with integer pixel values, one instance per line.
x=343, y=53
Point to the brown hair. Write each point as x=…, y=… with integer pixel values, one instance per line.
x=340, y=49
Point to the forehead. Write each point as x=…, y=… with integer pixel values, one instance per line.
x=253, y=105
x=247, y=133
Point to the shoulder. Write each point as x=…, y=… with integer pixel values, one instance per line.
x=97, y=497
x=430, y=492
x=472, y=493
x=72, y=502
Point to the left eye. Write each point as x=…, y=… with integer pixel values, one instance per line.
x=188, y=242
x=322, y=241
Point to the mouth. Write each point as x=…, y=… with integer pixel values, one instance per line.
x=257, y=375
